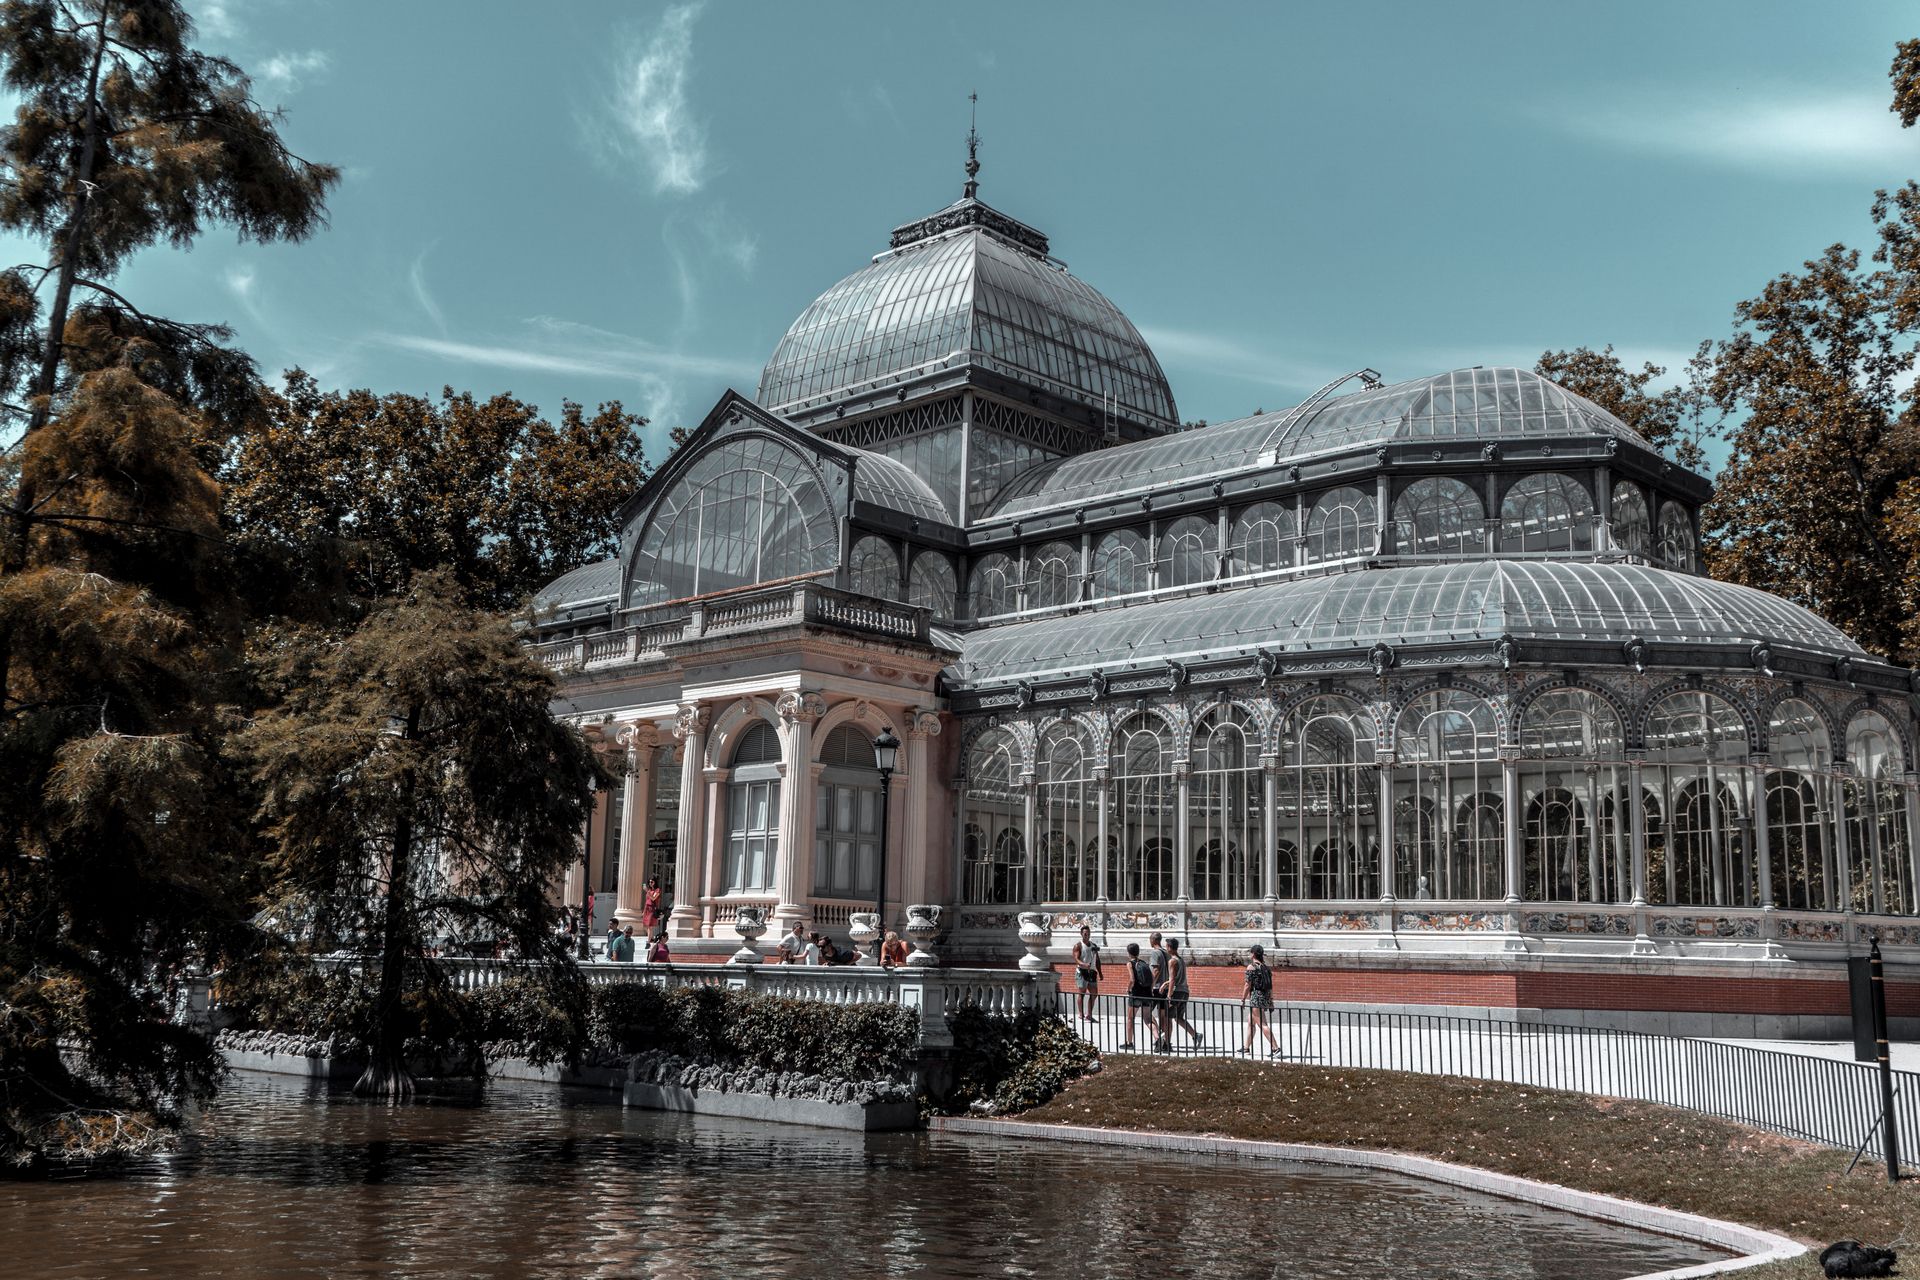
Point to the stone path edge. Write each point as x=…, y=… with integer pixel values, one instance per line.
x=1755, y=1246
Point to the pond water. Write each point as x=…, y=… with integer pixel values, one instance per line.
x=284, y=1179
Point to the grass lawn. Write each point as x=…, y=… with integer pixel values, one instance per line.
x=1634, y=1150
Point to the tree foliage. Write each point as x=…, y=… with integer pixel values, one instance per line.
x=1669, y=420
x=121, y=857
x=416, y=786
x=363, y=491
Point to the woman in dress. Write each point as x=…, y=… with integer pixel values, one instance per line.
x=650, y=906
x=1257, y=1000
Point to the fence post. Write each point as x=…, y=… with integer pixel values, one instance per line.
x=924, y=991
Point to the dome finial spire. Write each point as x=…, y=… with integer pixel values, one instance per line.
x=973, y=146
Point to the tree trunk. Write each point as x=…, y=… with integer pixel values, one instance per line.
x=386, y=1075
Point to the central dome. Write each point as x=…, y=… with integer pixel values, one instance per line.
x=967, y=290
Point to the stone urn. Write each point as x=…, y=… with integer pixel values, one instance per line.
x=923, y=922
x=864, y=928
x=1036, y=934
x=749, y=923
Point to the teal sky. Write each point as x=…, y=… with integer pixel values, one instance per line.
x=600, y=201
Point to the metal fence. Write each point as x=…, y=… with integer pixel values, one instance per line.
x=1822, y=1100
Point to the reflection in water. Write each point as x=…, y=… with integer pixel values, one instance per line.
x=284, y=1179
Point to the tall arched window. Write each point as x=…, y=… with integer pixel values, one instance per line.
x=748, y=510
x=1263, y=538
x=1632, y=522
x=1547, y=511
x=874, y=568
x=1449, y=753
x=1189, y=551
x=995, y=812
x=1881, y=871
x=1438, y=516
x=1067, y=815
x=1574, y=785
x=1677, y=544
x=1225, y=806
x=1053, y=575
x=1145, y=807
x=931, y=584
x=1342, y=525
x=1327, y=800
x=1696, y=759
x=1121, y=564
x=753, y=811
x=994, y=586
x=1802, y=798
x=846, y=820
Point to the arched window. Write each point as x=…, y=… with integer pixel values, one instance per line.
x=846, y=819
x=1438, y=516
x=993, y=586
x=1696, y=760
x=1880, y=876
x=1449, y=751
x=1327, y=798
x=753, y=811
x=1263, y=538
x=1121, y=564
x=1574, y=780
x=1067, y=813
x=1547, y=511
x=996, y=862
x=1225, y=806
x=1053, y=575
x=1341, y=526
x=931, y=584
x=874, y=568
x=749, y=510
x=1677, y=545
x=1145, y=808
x=1632, y=523
x=1189, y=552
x=1802, y=799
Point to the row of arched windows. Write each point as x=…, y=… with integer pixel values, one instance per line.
x=1713, y=827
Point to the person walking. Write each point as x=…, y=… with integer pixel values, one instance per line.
x=1157, y=962
x=657, y=953
x=613, y=933
x=1176, y=991
x=1140, y=999
x=620, y=949
x=1257, y=1000
x=1086, y=974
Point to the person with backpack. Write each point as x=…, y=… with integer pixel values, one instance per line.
x=1257, y=1000
x=1176, y=992
x=1140, y=998
x=1157, y=962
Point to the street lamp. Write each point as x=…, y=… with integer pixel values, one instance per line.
x=886, y=750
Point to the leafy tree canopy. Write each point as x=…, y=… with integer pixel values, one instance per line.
x=1668, y=419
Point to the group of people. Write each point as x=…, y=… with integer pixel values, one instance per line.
x=801, y=947
x=1157, y=991
x=622, y=946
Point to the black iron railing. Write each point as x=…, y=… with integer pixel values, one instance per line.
x=1822, y=1100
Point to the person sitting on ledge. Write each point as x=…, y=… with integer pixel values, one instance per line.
x=829, y=954
x=893, y=952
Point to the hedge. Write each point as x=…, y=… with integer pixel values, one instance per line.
x=719, y=1025
x=1012, y=1064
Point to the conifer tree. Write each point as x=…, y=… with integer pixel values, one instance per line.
x=416, y=786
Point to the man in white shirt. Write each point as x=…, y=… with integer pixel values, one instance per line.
x=794, y=945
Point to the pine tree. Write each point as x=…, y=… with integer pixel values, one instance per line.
x=416, y=786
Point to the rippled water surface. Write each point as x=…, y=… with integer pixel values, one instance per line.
x=285, y=1179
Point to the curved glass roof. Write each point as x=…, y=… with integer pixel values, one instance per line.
x=1478, y=404
x=1417, y=605
x=888, y=482
x=969, y=296
x=590, y=587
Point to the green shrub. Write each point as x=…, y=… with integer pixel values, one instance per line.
x=718, y=1025
x=545, y=1019
x=1012, y=1063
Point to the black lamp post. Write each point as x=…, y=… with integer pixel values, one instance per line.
x=886, y=750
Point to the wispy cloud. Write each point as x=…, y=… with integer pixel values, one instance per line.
x=216, y=19
x=1205, y=352
x=417, y=281
x=1788, y=133
x=650, y=117
x=288, y=71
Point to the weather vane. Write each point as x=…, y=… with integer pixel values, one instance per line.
x=973, y=146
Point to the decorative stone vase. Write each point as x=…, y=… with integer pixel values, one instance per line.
x=749, y=923
x=923, y=922
x=864, y=928
x=1036, y=935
